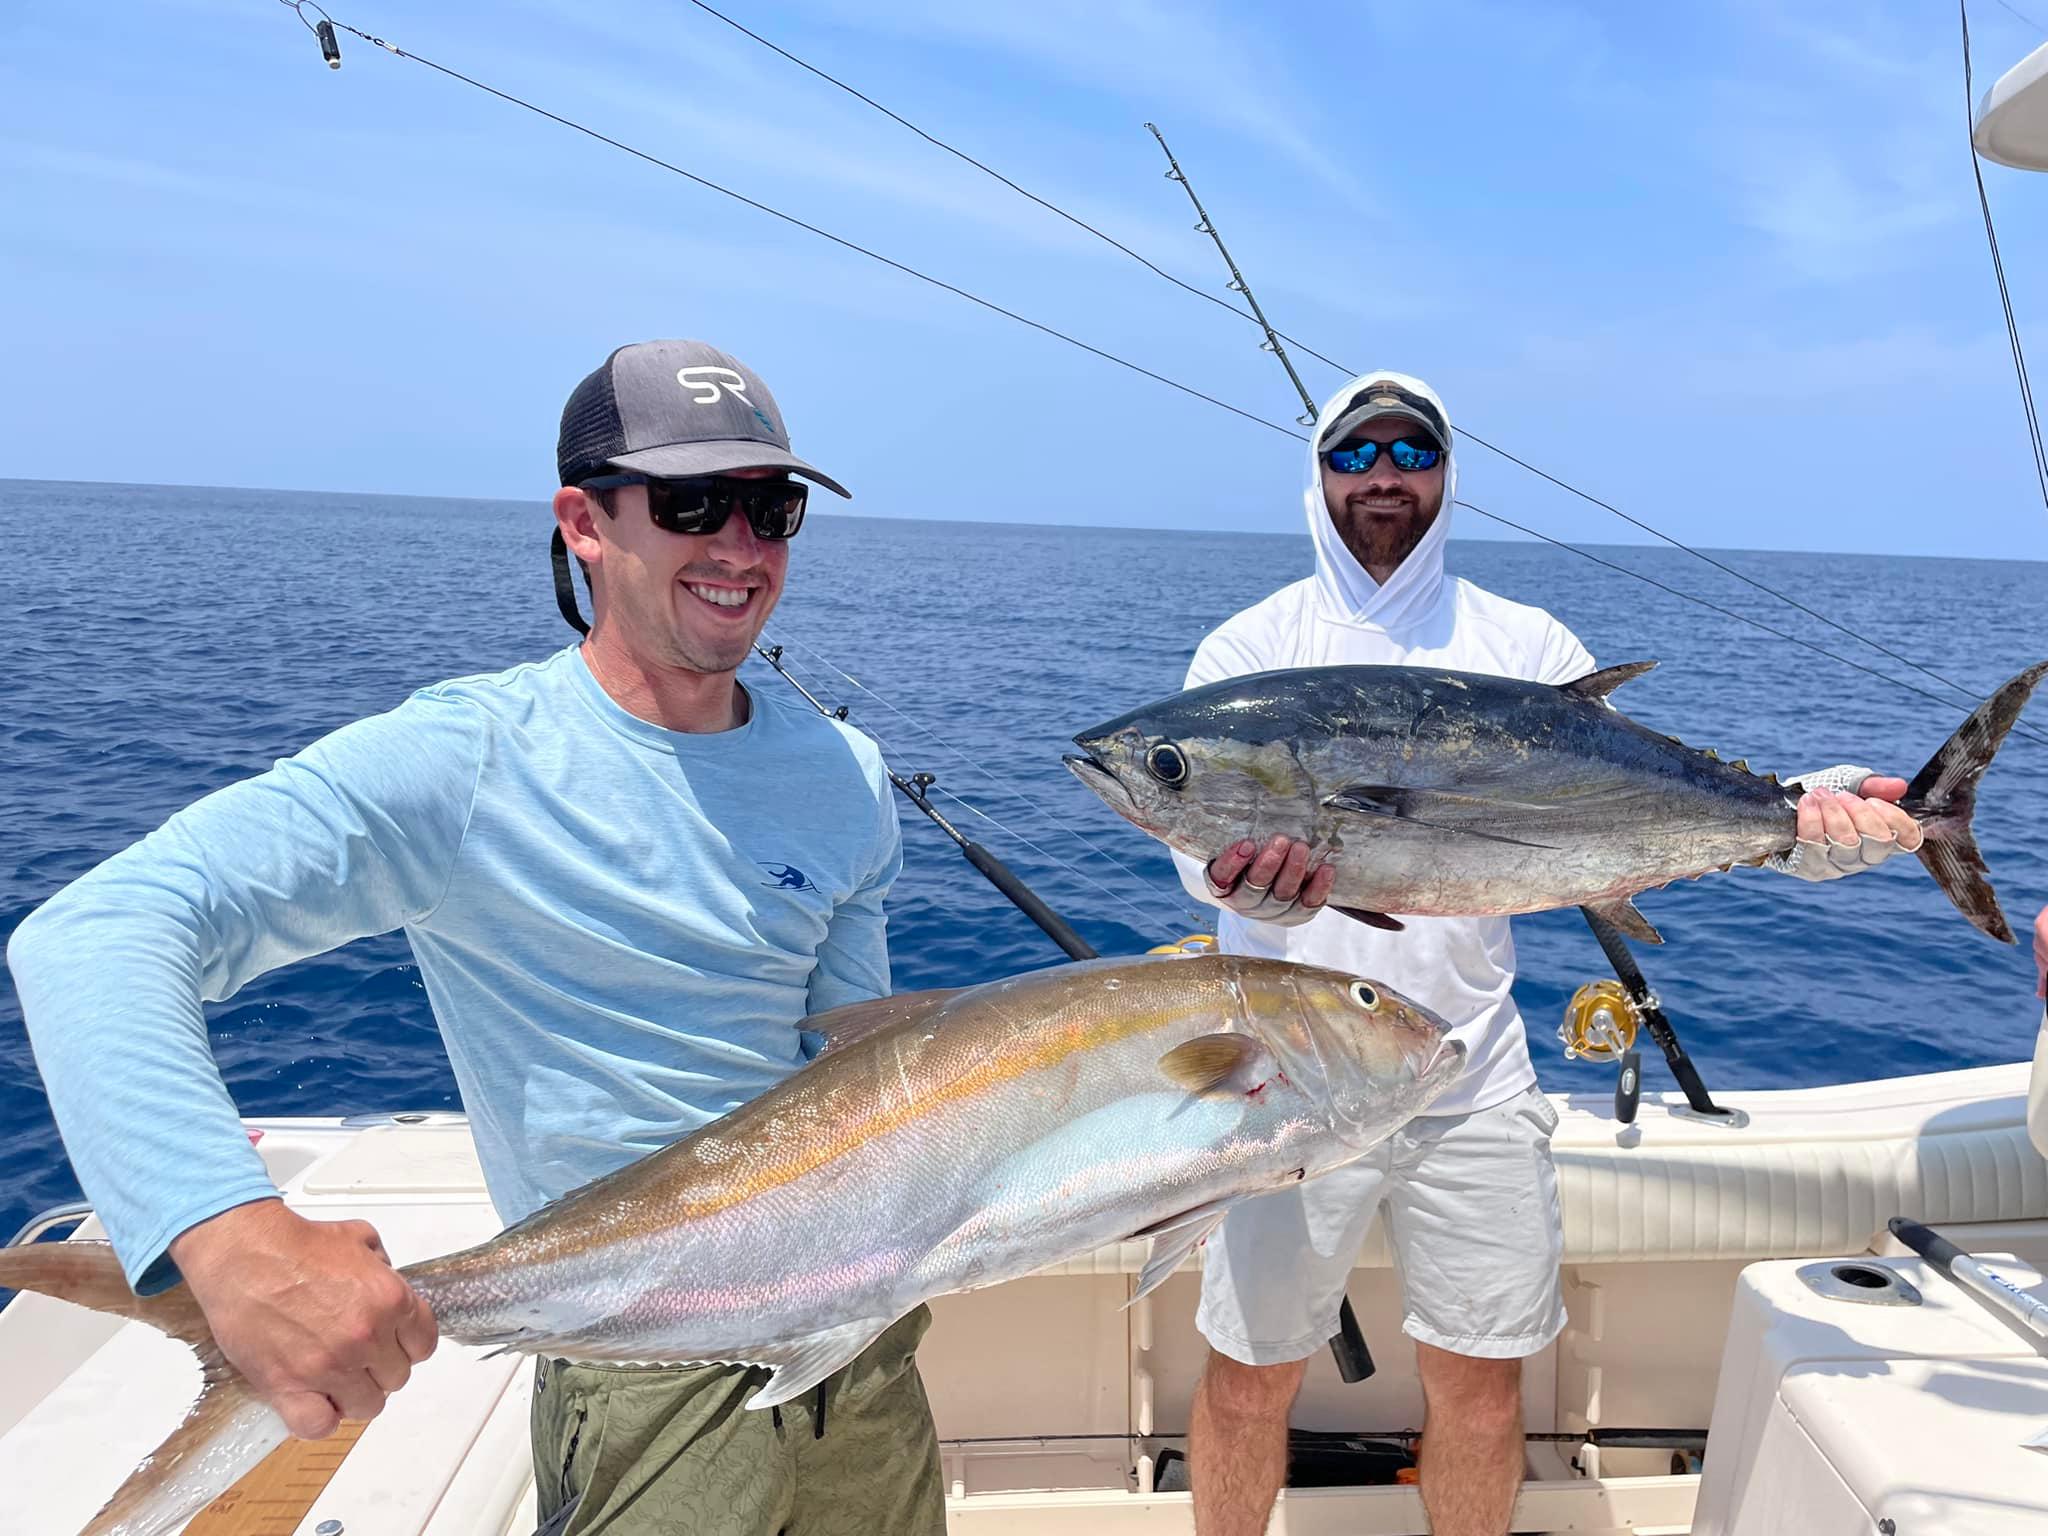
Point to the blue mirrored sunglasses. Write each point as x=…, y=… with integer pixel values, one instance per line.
x=1407, y=454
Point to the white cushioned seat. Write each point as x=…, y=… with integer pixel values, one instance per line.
x=1817, y=1171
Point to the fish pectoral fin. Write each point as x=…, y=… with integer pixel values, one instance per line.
x=519, y=1341
x=1236, y=1063
x=1426, y=807
x=1623, y=915
x=1372, y=919
x=838, y=1028
x=1597, y=685
x=1173, y=1240
x=801, y=1364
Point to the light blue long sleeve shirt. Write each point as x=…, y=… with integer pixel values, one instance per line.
x=620, y=928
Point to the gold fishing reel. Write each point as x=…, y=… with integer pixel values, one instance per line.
x=1600, y=1022
x=1193, y=944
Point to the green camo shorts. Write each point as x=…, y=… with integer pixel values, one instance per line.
x=670, y=1451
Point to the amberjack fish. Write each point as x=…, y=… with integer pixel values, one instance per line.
x=941, y=1141
x=1457, y=794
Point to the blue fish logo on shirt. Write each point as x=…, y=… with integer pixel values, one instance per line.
x=788, y=877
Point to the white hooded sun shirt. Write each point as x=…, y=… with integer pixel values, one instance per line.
x=1460, y=967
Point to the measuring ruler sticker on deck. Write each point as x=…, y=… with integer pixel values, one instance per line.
x=274, y=1497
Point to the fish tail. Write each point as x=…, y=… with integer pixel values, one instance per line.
x=1943, y=797
x=228, y=1430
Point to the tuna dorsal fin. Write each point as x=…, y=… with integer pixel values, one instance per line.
x=1597, y=685
x=1236, y=1063
x=1623, y=915
x=840, y=1027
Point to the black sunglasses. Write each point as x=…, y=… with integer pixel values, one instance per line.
x=1407, y=454
x=774, y=509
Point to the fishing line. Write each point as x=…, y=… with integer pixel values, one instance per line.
x=826, y=234
x=398, y=52
x=2027, y=19
x=1780, y=634
x=1147, y=918
x=1275, y=338
x=2012, y=329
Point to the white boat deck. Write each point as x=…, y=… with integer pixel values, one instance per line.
x=1660, y=1220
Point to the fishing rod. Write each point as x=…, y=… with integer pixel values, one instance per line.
x=1975, y=1276
x=1207, y=226
x=1354, y=1358
x=1601, y=1036
x=1642, y=1004
x=1276, y=336
x=331, y=53
x=916, y=789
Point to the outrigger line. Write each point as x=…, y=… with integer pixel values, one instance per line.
x=2012, y=328
x=1275, y=337
x=302, y=6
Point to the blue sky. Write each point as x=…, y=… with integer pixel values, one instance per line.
x=1719, y=264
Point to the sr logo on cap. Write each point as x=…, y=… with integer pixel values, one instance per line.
x=704, y=383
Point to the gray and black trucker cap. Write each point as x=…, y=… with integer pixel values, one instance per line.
x=670, y=409
x=1383, y=397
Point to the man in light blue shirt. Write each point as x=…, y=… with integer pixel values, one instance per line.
x=627, y=880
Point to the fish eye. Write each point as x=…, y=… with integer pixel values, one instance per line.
x=1362, y=993
x=1168, y=764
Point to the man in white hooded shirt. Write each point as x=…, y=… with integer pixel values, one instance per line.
x=1469, y=1189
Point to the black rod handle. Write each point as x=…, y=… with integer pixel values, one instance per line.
x=1928, y=1243
x=999, y=875
x=1354, y=1360
x=1628, y=1087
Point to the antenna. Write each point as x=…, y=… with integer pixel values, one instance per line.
x=1207, y=226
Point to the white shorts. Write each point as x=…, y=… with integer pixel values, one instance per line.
x=1472, y=1218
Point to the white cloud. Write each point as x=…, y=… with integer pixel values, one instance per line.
x=1143, y=50
x=1846, y=147
x=128, y=171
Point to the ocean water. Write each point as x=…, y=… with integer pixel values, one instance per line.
x=162, y=642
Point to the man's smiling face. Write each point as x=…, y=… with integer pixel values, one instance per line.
x=1383, y=513
x=691, y=600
